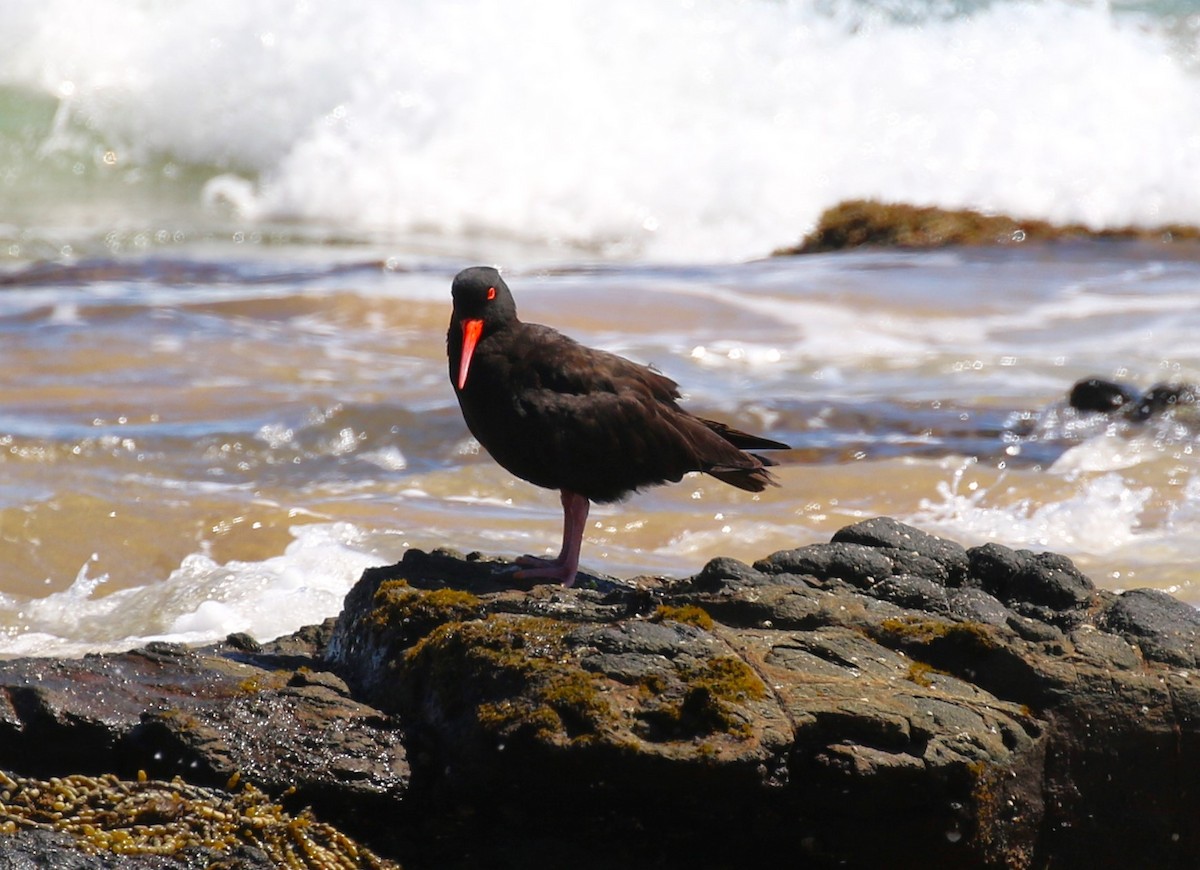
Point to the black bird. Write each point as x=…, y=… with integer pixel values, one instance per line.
x=588, y=423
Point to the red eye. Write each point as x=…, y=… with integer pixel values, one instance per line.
x=491, y=293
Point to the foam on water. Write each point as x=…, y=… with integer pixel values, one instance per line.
x=1101, y=514
x=201, y=600
x=1101, y=453
x=699, y=130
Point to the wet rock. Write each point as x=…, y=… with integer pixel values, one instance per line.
x=1164, y=628
x=37, y=849
x=726, y=573
x=166, y=711
x=911, y=549
x=1124, y=401
x=886, y=699
x=992, y=566
x=944, y=685
x=1044, y=587
x=1050, y=588
x=1097, y=394
x=150, y=823
x=1163, y=397
x=856, y=564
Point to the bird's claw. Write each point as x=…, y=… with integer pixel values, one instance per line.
x=538, y=562
x=533, y=568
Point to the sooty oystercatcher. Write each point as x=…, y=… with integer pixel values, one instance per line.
x=588, y=423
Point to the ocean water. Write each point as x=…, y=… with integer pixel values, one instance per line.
x=227, y=233
x=700, y=130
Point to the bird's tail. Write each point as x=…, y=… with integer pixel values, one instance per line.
x=744, y=440
x=749, y=470
x=752, y=479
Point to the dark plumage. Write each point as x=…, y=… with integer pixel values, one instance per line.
x=588, y=423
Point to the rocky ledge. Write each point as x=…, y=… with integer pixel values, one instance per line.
x=888, y=699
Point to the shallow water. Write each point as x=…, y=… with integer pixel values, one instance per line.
x=205, y=444
x=226, y=248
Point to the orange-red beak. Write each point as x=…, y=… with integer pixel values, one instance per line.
x=471, y=332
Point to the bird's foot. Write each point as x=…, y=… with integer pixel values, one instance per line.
x=539, y=561
x=544, y=569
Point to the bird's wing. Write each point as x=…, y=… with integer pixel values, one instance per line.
x=563, y=365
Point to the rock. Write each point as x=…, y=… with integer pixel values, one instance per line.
x=1164, y=397
x=167, y=711
x=992, y=566
x=1045, y=587
x=726, y=573
x=1050, y=588
x=911, y=548
x=38, y=849
x=856, y=564
x=856, y=223
x=1164, y=628
x=1123, y=401
x=1097, y=394
x=154, y=824
x=886, y=699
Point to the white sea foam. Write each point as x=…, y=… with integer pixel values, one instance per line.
x=1102, y=453
x=201, y=601
x=700, y=130
x=1100, y=515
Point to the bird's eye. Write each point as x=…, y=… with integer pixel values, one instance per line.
x=491, y=293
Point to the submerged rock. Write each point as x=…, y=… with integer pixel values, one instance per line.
x=887, y=699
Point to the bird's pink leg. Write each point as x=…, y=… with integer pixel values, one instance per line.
x=566, y=564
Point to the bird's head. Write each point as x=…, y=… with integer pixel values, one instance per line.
x=482, y=303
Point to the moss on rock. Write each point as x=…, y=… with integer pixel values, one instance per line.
x=922, y=631
x=688, y=614
x=398, y=604
x=513, y=675
x=859, y=223
x=708, y=703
